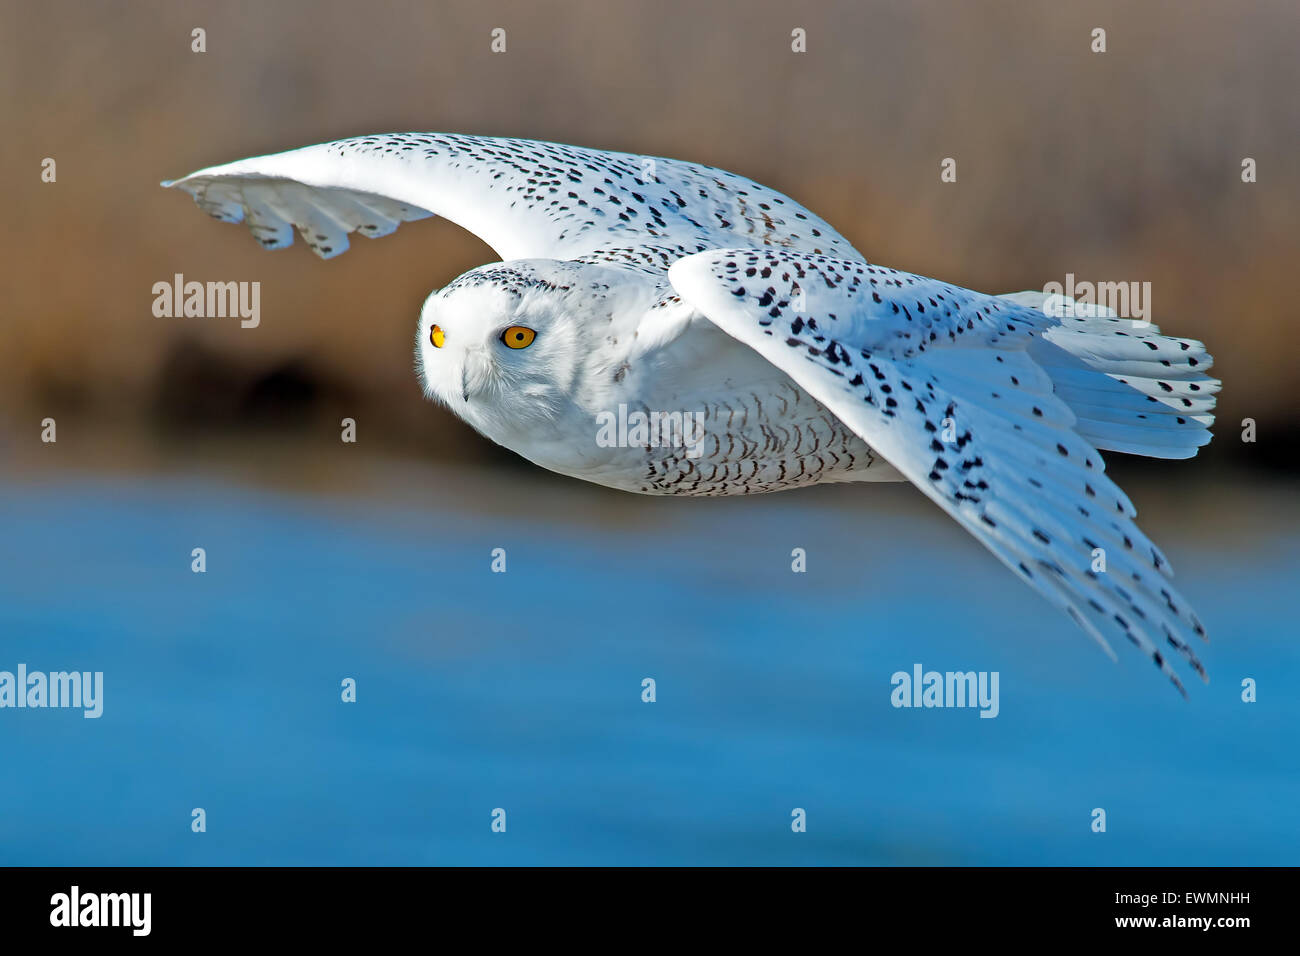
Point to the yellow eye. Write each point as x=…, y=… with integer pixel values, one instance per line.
x=436, y=336
x=518, y=337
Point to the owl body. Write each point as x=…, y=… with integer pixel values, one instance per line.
x=650, y=397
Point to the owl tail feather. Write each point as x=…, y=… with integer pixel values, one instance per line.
x=1132, y=389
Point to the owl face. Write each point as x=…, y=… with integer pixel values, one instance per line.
x=496, y=347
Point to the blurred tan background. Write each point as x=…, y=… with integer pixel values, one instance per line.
x=1117, y=166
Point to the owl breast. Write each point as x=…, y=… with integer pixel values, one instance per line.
x=749, y=443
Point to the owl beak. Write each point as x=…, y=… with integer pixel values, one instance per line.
x=473, y=372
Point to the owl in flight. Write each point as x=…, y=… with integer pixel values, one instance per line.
x=640, y=290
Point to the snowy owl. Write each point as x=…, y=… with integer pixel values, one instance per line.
x=667, y=328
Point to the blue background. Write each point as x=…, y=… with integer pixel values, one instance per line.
x=522, y=690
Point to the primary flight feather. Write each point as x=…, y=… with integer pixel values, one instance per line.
x=778, y=356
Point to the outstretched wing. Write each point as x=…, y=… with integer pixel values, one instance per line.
x=523, y=198
x=938, y=380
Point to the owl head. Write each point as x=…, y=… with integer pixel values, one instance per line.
x=503, y=346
